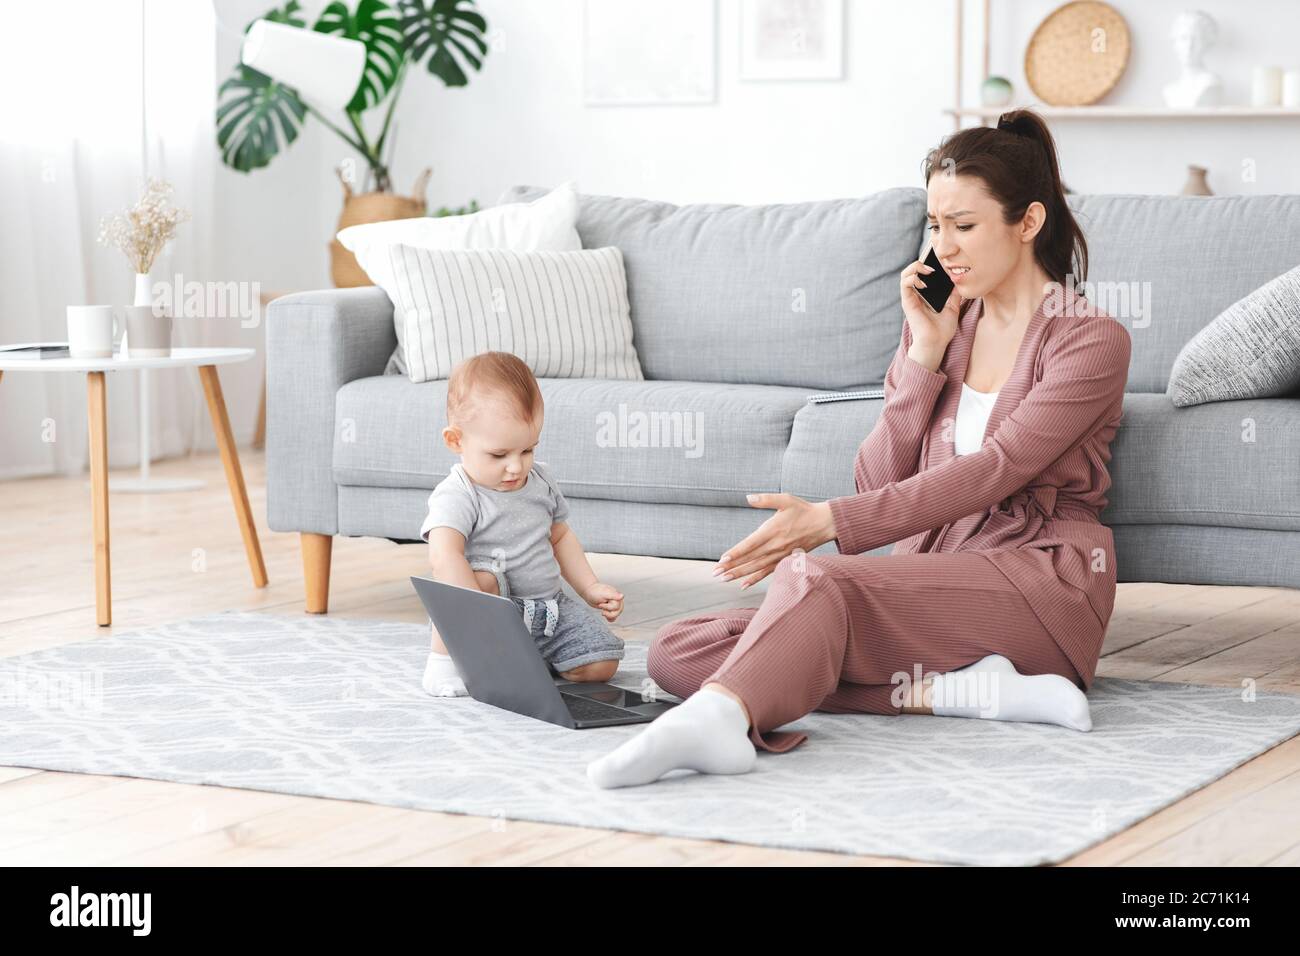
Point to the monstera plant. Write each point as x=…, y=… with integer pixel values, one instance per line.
x=257, y=116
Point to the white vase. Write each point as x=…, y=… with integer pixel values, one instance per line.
x=995, y=91
x=143, y=296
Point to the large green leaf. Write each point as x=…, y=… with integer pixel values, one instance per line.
x=288, y=14
x=250, y=107
x=376, y=25
x=450, y=31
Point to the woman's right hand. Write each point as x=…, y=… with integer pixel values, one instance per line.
x=931, y=331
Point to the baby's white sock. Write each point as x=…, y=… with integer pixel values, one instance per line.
x=707, y=732
x=993, y=689
x=441, y=678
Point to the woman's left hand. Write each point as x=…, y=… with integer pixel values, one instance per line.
x=797, y=524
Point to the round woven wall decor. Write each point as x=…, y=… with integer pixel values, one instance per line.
x=1077, y=54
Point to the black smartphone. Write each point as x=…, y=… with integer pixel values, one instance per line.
x=938, y=284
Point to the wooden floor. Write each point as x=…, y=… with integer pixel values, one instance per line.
x=179, y=555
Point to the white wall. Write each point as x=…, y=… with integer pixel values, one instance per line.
x=522, y=119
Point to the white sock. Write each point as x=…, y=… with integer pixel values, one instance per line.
x=993, y=689
x=707, y=732
x=441, y=678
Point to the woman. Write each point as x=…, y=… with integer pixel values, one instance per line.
x=986, y=468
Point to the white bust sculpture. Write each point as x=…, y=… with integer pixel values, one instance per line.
x=1194, y=32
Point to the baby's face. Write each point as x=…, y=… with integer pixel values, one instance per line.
x=495, y=446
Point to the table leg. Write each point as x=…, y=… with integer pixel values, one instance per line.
x=259, y=433
x=234, y=474
x=97, y=406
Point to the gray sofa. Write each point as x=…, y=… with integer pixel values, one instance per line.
x=740, y=313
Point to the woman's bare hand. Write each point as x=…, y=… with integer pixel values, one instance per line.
x=797, y=524
x=931, y=331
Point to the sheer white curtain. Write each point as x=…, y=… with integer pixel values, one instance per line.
x=71, y=153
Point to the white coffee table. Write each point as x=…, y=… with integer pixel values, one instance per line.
x=207, y=361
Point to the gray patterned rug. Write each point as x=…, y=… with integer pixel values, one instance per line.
x=328, y=707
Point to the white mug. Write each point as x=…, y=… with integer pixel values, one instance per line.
x=91, y=330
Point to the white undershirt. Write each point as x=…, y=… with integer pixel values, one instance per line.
x=972, y=418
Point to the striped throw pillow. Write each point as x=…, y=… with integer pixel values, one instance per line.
x=565, y=314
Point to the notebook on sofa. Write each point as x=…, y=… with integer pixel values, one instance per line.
x=847, y=396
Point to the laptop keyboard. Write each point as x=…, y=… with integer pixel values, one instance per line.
x=584, y=708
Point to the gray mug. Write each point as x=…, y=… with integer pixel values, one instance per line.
x=148, y=335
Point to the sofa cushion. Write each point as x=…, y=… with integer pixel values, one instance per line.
x=1165, y=266
x=1252, y=350
x=800, y=294
x=675, y=442
x=823, y=444
x=1234, y=464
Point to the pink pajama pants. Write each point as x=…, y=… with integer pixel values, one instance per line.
x=833, y=631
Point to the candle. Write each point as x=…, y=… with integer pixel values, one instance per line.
x=1291, y=89
x=1266, y=90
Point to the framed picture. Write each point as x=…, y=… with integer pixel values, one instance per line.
x=646, y=54
x=791, y=39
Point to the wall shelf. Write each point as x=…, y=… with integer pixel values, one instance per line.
x=1129, y=112
x=989, y=114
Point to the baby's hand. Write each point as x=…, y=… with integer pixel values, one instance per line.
x=607, y=600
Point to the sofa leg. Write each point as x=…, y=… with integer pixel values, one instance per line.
x=316, y=550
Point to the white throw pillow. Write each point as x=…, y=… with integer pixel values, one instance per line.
x=545, y=223
x=565, y=314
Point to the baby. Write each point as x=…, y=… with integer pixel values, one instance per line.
x=497, y=523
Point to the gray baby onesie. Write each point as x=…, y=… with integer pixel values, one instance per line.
x=509, y=533
x=510, y=530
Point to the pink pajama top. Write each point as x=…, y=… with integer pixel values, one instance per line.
x=1030, y=498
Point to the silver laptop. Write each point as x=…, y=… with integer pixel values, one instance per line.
x=502, y=666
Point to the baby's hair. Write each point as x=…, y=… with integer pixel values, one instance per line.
x=492, y=372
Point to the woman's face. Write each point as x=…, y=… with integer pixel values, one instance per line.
x=967, y=232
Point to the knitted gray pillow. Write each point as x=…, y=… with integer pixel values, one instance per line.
x=1251, y=350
